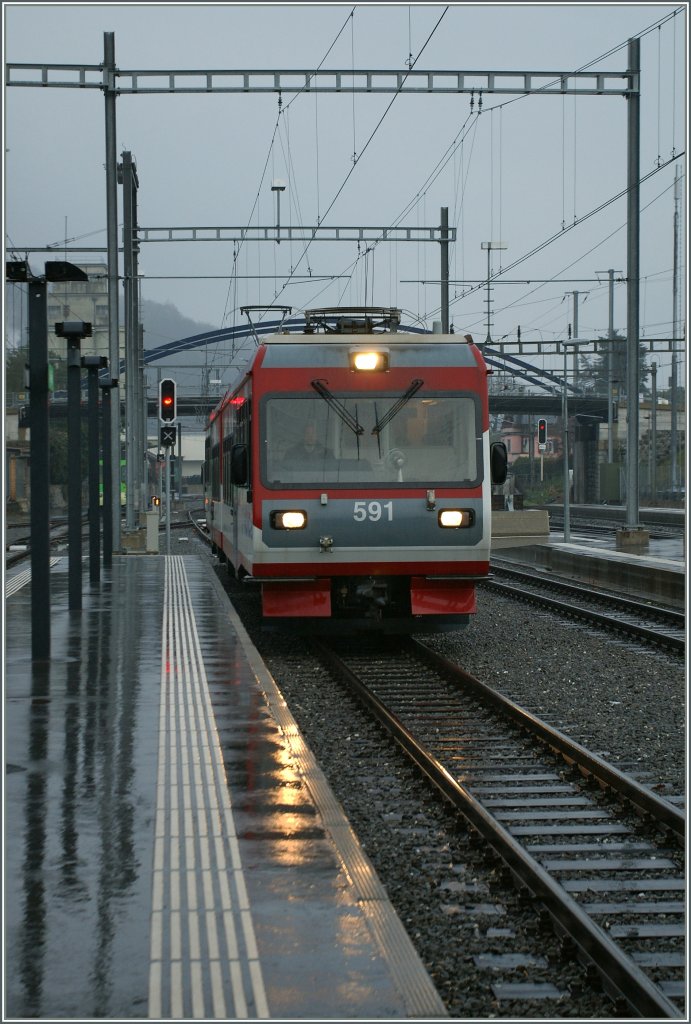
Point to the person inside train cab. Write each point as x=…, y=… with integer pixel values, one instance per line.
x=309, y=448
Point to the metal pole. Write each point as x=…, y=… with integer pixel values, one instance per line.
x=94, y=518
x=109, y=92
x=40, y=471
x=488, y=339
x=610, y=364
x=565, y=433
x=107, y=482
x=576, y=335
x=444, y=245
x=130, y=338
x=168, y=500
x=139, y=420
x=653, y=438
x=675, y=330
x=179, y=463
x=633, y=270
x=74, y=475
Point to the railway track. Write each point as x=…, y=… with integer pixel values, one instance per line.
x=601, y=854
x=18, y=548
x=582, y=524
x=634, y=618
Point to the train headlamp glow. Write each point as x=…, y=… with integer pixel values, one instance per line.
x=288, y=519
x=368, y=361
x=456, y=518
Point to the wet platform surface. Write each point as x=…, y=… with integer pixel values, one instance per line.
x=172, y=850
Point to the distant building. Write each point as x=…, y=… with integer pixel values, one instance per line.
x=86, y=301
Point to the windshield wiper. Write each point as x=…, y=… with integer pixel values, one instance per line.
x=396, y=407
x=338, y=407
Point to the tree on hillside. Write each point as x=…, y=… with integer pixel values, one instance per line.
x=596, y=367
x=16, y=363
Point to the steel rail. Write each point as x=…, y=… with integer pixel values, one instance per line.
x=626, y=979
x=637, y=629
x=660, y=809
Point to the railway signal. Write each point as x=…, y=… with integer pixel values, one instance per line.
x=167, y=401
x=168, y=437
x=542, y=444
x=542, y=433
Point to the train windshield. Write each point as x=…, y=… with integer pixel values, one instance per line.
x=372, y=439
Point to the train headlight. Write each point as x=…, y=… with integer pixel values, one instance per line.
x=368, y=360
x=288, y=519
x=456, y=518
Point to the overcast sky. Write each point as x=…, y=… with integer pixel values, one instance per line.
x=521, y=172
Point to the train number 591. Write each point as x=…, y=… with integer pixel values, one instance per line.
x=372, y=510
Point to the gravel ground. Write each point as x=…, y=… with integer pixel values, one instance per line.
x=625, y=702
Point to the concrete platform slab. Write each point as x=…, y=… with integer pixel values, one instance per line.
x=172, y=849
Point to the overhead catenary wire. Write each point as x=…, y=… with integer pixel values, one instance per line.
x=453, y=149
x=269, y=155
x=557, y=235
x=578, y=259
x=371, y=136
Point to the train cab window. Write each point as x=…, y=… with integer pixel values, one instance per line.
x=430, y=440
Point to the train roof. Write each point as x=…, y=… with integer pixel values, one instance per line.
x=332, y=350
x=373, y=338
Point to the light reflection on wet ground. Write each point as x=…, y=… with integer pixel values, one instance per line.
x=658, y=547
x=80, y=806
x=79, y=797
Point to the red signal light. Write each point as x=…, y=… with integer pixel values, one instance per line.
x=167, y=411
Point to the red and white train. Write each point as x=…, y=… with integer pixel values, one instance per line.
x=349, y=475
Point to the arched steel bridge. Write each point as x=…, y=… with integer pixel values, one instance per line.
x=548, y=401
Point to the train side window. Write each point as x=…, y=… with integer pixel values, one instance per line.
x=239, y=473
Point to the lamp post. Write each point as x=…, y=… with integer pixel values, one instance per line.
x=278, y=187
x=575, y=342
x=489, y=246
x=74, y=332
x=106, y=388
x=39, y=386
x=93, y=364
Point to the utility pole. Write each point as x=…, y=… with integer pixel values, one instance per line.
x=575, y=334
x=489, y=246
x=675, y=329
x=610, y=365
x=110, y=92
x=444, y=245
x=632, y=535
x=134, y=396
x=653, y=438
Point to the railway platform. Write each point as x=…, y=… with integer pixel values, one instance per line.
x=658, y=575
x=172, y=850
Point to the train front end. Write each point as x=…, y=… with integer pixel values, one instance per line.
x=358, y=480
